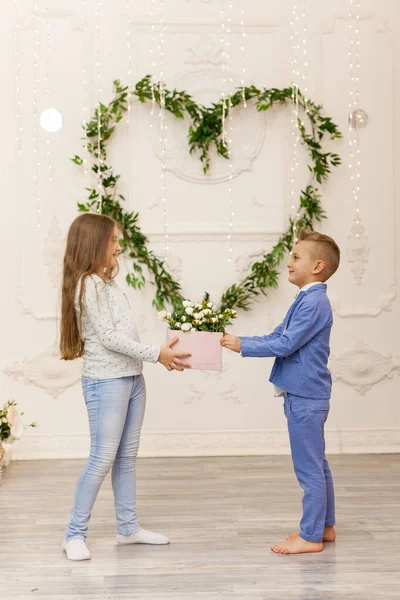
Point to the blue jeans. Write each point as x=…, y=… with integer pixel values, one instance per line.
x=116, y=410
x=306, y=419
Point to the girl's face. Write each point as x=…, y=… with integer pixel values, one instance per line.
x=113, y=250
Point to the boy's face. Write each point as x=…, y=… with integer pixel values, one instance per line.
x=304, y=266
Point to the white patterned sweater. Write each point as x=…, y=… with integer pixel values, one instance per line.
x=112, y=344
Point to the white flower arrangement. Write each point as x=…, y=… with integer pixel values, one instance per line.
x=11, y=430
x=200, y=316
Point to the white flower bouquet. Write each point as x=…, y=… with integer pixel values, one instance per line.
x=203, y=316
x=199, y=328
x=11, y=430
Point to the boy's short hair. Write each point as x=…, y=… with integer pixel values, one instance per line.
x=326, y=249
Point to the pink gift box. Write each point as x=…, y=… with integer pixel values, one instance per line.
x=204, y=346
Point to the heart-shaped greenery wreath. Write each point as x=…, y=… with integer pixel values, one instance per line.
x=206, y=129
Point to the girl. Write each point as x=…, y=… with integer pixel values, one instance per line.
x=96, y=324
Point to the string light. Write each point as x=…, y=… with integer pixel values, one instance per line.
x=129, y=49
x=299, y=67
x=158, y=87
x=305, y=53
x=47, y=90
x=230, y=139
x=85, y=88
x=97, y=44
x=354, y=141
x=99, y=90
x=36, y=58
x=163, y=128
x=223, y=82
x=226, y=30
x=294, y=120
x=17, y=79
x=243, y=51
x=227, y=51
x=152, y=56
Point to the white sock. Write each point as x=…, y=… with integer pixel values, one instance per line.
x=142, y=537
x=76, y=549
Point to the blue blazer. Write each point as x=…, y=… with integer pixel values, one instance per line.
x=301, y=346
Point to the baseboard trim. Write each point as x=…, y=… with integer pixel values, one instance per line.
x=211, y=443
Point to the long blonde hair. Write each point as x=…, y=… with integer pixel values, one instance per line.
x=87, y=244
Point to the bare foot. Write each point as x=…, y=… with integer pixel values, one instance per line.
x=297, y=546
x=329, y=534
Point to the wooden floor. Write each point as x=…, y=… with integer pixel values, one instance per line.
x=221, y=515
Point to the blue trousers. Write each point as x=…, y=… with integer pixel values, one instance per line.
x=116, y=410
x=306, y=419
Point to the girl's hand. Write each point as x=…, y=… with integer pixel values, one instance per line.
x=231, y=342
x=171, y=359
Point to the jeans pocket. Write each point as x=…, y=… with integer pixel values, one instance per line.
x=298, y=409
x=319, y=408
x=88, y=389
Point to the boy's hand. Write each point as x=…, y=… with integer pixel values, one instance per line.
x=231, y=342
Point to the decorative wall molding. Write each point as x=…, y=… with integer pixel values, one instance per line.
x=28, y=22
x=185, y=237
x=244, y=261
x=358, y=249
x=210, y=380
x=53, y=252
x=199, y=27
x=231, y=394
x=211, y=443
x=38, y=315
x=384, y=301
x=176, y=157
x=208, y=1
x=362, y=367
x=381, y=25
x=216, y=375
x=258, y=203
x=195, y=394
x=205, y=51
x=47, y=371
x=174, y=262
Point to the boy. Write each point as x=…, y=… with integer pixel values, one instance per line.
x=300, y=374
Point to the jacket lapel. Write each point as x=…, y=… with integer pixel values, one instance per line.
x=289, y=314
x=298, y=298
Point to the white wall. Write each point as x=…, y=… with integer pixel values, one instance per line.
x=200, y=413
